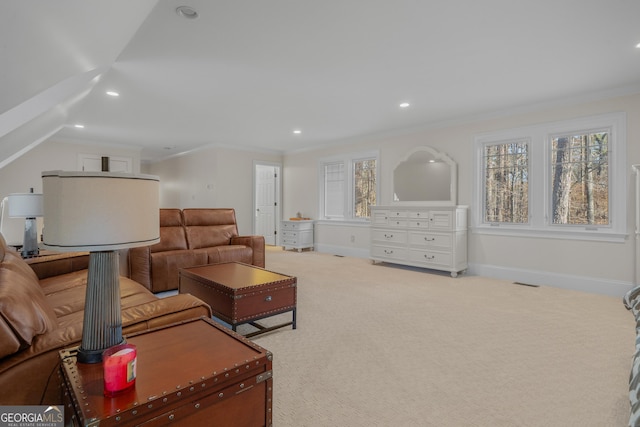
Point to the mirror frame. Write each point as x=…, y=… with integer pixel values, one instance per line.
x=437, y=155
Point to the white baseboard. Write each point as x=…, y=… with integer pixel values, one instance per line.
x=595, y=285
x=342, y=250
x=615, y=288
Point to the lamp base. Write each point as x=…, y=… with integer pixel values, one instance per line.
x=30, y=240
x=92, y=356
x=102, y=327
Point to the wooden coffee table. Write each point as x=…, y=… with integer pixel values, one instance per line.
x=240, y=293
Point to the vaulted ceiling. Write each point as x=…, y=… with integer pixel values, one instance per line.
x=249, y=73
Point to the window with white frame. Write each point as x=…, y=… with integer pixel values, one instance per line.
x=563, y=179
x=348, y=186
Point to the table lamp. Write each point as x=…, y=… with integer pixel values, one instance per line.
x=100, y=212
x=29, y=206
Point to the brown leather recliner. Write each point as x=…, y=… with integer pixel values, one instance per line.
x=192, y=237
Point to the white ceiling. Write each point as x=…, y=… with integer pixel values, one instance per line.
x=247, y=73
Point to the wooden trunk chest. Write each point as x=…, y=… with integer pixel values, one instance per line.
x=241, y=293
x=188, y=374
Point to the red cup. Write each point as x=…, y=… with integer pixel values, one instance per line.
x=119, y=364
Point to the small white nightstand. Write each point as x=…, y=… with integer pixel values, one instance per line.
x=297, y=234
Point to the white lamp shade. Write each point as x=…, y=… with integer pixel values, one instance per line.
x=25, y=205
x=100, y=211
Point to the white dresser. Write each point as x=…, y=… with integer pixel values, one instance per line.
x=297, y=234
x=429, y=237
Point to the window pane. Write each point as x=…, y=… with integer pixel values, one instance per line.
x=364, y=182
x=506, y=182
x=334, y=190
x=580, y=179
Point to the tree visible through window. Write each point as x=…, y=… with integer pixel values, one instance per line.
x=506, y=168
x=580, y=177
x=364, y=180
x=564, y=179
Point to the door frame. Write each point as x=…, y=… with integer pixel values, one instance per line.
x=278, y=196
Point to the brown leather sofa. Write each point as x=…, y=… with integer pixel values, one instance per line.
x=192, y=237
x=42, y=313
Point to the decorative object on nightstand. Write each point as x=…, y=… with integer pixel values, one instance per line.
x=100, y=212
x=297, y=233
x=28, y=206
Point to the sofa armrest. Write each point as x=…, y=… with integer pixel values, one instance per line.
x=56, y=264
x=256, y=243
x=140, y=265
x=163, y=311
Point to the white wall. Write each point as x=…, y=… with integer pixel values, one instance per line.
x=25, y=172
x=223, y=177
x=211, y=177
x=594, y=266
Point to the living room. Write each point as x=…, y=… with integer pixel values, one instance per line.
x=38, y=134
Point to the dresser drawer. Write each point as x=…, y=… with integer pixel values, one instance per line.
x=389, y=252
x=265, y=302
x=398, y=222
x=398, y=214
x=389, y=236
x=430, y=258
x=431, y=240
x=419, y=215
x=296, y=225
x=289, y=241
x=442, y=220
x=418, y=223
x=379, y=217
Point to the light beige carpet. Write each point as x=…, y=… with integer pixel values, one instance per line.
x=378, y=345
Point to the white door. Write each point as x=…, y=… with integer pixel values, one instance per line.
x=266, y=202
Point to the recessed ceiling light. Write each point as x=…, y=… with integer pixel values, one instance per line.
x=187, y=12
x=112, y=93
x=297, y=131
x=404, y=105
x=79, y=126
x=638, y=45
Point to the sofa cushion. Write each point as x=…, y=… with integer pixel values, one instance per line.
x=172, y=236
x=209, y=227
x=228, y=253
x=171, y=239
x=23, y=305
x=165, y=266
x=170, y=218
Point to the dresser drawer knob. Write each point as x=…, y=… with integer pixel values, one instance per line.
x=268, y=298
